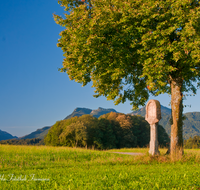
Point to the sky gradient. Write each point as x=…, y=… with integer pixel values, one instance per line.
x=33, y=92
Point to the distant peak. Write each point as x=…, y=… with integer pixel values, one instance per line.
x=100, y=108
x=83, y=111
x=78, y=109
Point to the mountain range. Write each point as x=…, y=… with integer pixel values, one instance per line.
x=5, y=136
x=96, y=113
x=191, y=125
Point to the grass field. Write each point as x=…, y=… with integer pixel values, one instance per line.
x=41, y=167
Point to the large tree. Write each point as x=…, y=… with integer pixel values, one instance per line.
x=130, y=49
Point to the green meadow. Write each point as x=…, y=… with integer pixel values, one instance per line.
x=43, y=167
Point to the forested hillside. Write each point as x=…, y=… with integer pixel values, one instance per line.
x=191, y=126
x=34, y=141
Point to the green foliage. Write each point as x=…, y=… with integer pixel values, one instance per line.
x=74, y=135
x=108, y=139
x=125, y=46
x=52, y=138
x=112, y=130
x=163, y=137
x=192, y=142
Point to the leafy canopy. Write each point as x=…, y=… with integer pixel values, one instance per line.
x=130, y=49
x=111, y=130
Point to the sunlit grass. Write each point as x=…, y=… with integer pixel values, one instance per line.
x=140, y=150
x=41, y=167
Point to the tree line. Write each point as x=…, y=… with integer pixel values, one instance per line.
x=192, y=142
x=112, y=130
x=34, y=141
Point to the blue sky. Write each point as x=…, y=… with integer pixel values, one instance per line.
x=33, y=92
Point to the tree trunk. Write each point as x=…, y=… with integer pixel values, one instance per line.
x=176, y=148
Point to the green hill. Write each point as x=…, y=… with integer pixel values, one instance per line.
x=191, y=126
x=39, y=133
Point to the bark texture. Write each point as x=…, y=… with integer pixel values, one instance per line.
x=176, y=148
